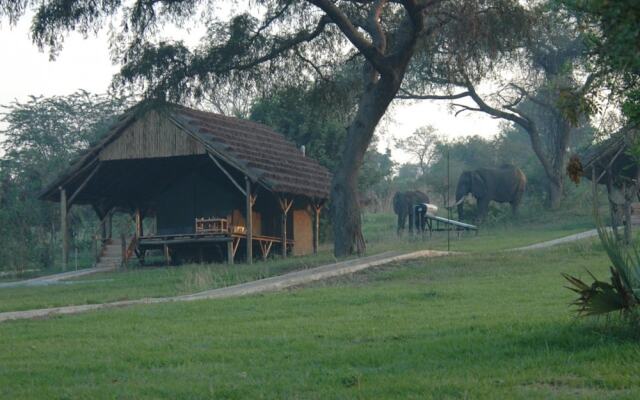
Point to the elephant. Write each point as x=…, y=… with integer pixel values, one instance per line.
x=505, y=184
x=403, y=203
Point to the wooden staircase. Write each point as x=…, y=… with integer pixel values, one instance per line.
x=110, y=256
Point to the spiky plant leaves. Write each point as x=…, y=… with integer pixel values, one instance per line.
x=623, y=293
x=598, y=298
x=579, y=285
x=624, y=259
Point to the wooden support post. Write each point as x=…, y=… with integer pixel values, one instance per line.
x=613, y=207
x=64, y=229
x=317, y=207
x=167, y=254
x=249, y=227
x=109, y=225
x=265, y=247
x=284, y=234
x=103, y=230
x=285, y=205
x=138, y=218
x=123, y=244
x=230, y=252
x=96, y=250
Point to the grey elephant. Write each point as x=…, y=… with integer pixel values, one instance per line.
x=403, y=204
x=505, y=184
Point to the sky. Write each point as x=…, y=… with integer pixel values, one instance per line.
x=85, y=64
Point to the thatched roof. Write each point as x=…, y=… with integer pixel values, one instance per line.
x=252, y=149
x=612, y=155
x=258, y=151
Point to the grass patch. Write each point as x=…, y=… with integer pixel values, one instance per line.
x=85, y=260
x=379, y=229
x=483, y=326
x=137, y=283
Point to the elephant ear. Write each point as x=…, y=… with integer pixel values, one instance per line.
x=478, y=185
x=397, y=202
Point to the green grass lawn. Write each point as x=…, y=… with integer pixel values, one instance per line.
x=86, y=259
x=483, y=325
x=136, y=283
x=379, y=229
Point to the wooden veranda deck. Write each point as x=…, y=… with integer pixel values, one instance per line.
x=168, y=242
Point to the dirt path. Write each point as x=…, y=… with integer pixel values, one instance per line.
x=263, y=285
x=555, y=242
x=50, y=279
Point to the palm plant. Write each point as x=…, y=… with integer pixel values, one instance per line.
x=623, y=292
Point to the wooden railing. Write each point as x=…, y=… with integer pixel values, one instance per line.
x=98, y=246
x=128, y=249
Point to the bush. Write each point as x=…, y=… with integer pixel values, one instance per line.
x=622, y=293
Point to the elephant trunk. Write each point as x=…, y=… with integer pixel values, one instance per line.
x=461, y=193
x=397, y=203
x=400, y=212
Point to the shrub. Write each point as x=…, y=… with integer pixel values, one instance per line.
x=622, y=293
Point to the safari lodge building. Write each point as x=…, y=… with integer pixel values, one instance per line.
x=211, y=187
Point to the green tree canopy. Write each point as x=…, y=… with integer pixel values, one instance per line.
x=267, y=42
x=42, y=136
x=421, y=145
x=613, y=32
x=545, y=94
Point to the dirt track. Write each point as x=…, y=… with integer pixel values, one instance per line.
x=562, y=240
x=263, y=285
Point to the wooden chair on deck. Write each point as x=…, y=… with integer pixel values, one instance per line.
x=212, y=225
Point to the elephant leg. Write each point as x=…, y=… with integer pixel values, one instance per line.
x=423, y=222
x=401, y=220
x=411, y=220
x=483, y=208
x=514, y=208
x=517, y=200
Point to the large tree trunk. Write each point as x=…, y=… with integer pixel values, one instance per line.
x=553, y=164
x=555, y=190
x=347, y=223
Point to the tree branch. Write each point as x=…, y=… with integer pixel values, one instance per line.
x=368, y=50
x=509, y=116
x=311, y=64
x=520, y=119
x=272, y=19
x=302, y=37
x=412, y=96
x=375, y=27
x=464, y=108
x=588, y=82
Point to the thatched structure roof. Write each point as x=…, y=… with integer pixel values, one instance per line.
x=258, y=151
x=253, y=150
x=610, y=155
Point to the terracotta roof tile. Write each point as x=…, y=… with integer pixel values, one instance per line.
x=253, y=148
x=266, y=154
